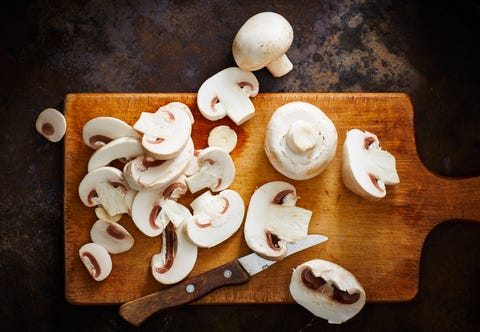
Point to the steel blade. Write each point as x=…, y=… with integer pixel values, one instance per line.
x=253, y=263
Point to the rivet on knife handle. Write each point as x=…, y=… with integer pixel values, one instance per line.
x=137, y=311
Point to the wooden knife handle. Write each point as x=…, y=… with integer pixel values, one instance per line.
x=136, y=311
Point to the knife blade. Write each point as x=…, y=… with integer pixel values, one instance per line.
x=236, y=272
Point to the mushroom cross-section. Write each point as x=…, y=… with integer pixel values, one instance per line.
x=228, y=92
x=96, y=259
x=273, y=220
x=216, y=171
x=327, y=290
x=262, y=41
x=51, y=124
x=366, y=168
x=300, y=141
x=103, y=129
x=165, y=132
x=112, y=236
x=215, y=217
x=124, y=148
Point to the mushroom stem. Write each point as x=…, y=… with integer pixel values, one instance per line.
x=280, y=66
x=301, y=136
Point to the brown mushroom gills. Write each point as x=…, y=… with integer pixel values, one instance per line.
x=95, y=271
x=99, y=139
x=272, y=239
x=48, y=129
x=171, y=248
x=313, y=282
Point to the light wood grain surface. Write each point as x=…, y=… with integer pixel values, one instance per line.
x=380, y=242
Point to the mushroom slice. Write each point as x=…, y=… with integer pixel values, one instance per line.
x=148, y=211
x=111, y=198
x=300, y=141
x=107, y=174
x=366, y=168
x=228, y=92
x=223, y=137
x=176, y=258
x=51, y=124
x=147, y=173
x=165, y=132
x=262, y=41
x=104, y=129
x=273, y=220
x=124, y=148
x=102, y=214
x=327, y=290
x=217, y=171
x=112, y=236
x=97, y=260
x=215, y=217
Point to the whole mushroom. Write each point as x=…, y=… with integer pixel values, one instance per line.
x=263, y=41
x=327, y=290
x=300, y=141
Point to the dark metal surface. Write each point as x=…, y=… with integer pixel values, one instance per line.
x=51, y=48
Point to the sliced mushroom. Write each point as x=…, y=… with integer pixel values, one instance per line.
x=327, y=290
x=107, y=174
x=176, y=258
x=147, y=173
x=262, y=41
x=111, y=198
x=165, y=132
x=112, y=236
x=223, y=137
x=273, y=220
x=228, y=92
x=217, y=171
x=300, y=141
x=124, y=148
x=102, y=214
x=51, y=124
x=97, y=260
x=366, y=168
x=104, y=129
x=215, y=217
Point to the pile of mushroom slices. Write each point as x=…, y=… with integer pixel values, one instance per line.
x=156, y=165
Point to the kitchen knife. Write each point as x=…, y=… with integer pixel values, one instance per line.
x=235, y=272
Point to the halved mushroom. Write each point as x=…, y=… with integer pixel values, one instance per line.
x=176, y=258
x=215, y=217
x=300, y=141
x=228, y=92
x=273, y=220
x=124, y=148
x=366, y=168
x=96, y=259
x=112, y=236
x=51, y=124
x=147, y=211
x=147, y=173
x=104, y=129
x=165, y=132
x=327, y=290
x=262, y=41
x=217, y=171
x=107, y=174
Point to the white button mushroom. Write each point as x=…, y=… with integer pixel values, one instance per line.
x=300, y=141
x=112, y=236
x=228, y=92
x=124, y=148
x=107, y=174
x=223, y=137
x=51, y=124
x=327, y=290
x=103, y=129
x=262, y=41
x=273, y=220
x=366, y=168
x=96, y=259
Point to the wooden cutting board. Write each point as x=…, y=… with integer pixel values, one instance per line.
x=380, y=242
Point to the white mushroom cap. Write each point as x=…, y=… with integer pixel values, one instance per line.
x=215, y=217
x=228, y=92
x=112, y=236
x=300, y=140
x=120, y=148
x=103, y=129
x=273, y=220
x=262, y=41
x=107, y=174
x=51, y=124
x=176, y=258
x=327, y=290
x=217, y=170
x=366, y=168
x=97, y=260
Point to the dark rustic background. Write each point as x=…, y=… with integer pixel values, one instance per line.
x=51, y=48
